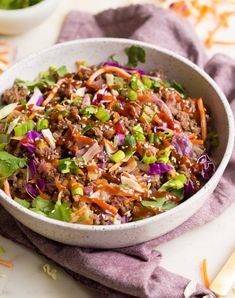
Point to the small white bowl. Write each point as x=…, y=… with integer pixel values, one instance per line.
x=20, y=20
x=198, y=84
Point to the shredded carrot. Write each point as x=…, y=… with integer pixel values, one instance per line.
x=53, y=92
x=58, y=184
x=6, y=263
x=4, y=52
x=204, y=274
x=192, y=136
x=145, y=97
x=122, y=73
x=44, y=195
x=6, y=188
x=55, y=162
x=90, y=81
x=4, y=61
x=105, y=206
x=101, y=181
x=197, y=141
x=222, y=42
x=82, y=139
x=203, y=118
x=32, y=115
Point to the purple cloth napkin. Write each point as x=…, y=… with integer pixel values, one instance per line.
x=135, y=271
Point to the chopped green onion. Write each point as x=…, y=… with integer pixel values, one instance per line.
x=102, y=115
x=67, y=165
x=151, y=138
x=77, y=100
x=61, y=71
x=149, y=159
x=132, y=95
x=115, y=140
x=148, y=113
x=156, y=85
x=22, y=129
x=118, y=156
x=42, y=124
x=48, y=112
x=168, y=134
x=87, y=128
x=116, y=107
x=147, y=82
x=164, y=155
x=109, y=79
x=88, y=110
x=77, y=191
x=129, y=140
x=136, y=83
x=139, y=133
x=23, y=102
x=119, y=81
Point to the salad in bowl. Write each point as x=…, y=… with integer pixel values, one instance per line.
x=106, y=144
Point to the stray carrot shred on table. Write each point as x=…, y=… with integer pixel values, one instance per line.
x=199, y=11
x=6, y=263
x=204, y=274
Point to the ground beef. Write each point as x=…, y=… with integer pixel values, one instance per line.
x=84, y=72
x=15, y=94
x=129, y=123
x=188, y=123
x=73, y=115
x=46, y=152
x=97, y=132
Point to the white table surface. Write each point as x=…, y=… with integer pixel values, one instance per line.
x=214, y=241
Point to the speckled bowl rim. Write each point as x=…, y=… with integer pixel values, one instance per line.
x=186, y=204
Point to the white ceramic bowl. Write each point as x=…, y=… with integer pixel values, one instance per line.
x=198, y=83
x=20, y=20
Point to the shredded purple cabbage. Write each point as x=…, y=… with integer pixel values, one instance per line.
x=39, y=101
x=32, y=168
x=121, y=138
x=33, y=135
x=189, y=189
x=208, y=167
x=158, y=168
x=31, y=190
x=128, y=69
x=30, y=147
x=41, y=184
x=182, y=144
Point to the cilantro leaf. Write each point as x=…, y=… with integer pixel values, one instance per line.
x=178, y=87
x=9, y=164
x=135, y=54
x=61, y=211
